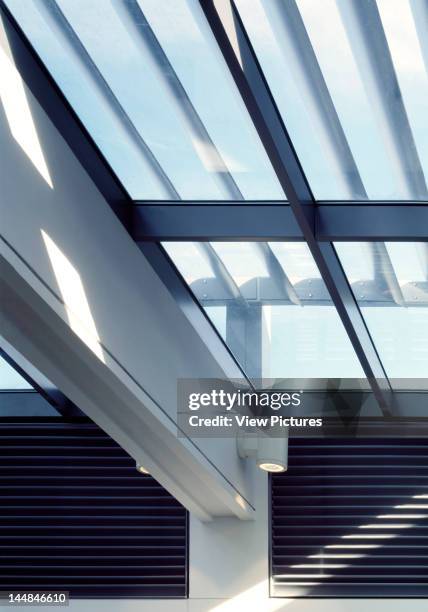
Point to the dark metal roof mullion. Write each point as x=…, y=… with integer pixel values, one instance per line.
x=242, y=62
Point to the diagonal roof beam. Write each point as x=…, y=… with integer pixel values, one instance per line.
x=370, y=48
x=242, y=62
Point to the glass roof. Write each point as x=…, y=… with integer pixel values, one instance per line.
x=390, y=284
x=350, y=80
x=150, y=84
x=271, y=307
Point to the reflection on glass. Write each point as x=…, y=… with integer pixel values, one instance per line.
x=271, y=307
x=390, y=283
x=150, y=84
x=350, y=80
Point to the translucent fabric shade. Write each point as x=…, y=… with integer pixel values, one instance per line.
x=150, y=84
x=390, y=283
x=350, y=80
x=271, y=307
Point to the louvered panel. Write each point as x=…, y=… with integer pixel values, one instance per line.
x=76, y=515
x=350, y=519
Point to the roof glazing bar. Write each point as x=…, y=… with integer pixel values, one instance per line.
x=370, y=48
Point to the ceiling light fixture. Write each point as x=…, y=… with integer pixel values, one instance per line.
x=271, y=454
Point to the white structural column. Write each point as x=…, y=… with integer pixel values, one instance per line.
x=229, y=561
x=80, y=301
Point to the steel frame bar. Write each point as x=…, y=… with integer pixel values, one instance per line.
x=270, y=221
x=242, y=62
x=40, y=383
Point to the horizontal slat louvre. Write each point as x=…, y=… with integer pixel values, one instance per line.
x=350, y=519
x=76, y=515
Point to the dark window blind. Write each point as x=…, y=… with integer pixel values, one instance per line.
x=75, y=515
x=350, y=519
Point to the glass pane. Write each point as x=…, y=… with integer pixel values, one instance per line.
x=390, y=283
x=271, y=307
x=150, y=84
x=10, y=379
x=350, y=80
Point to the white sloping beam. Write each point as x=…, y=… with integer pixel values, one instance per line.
x=81, y=302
